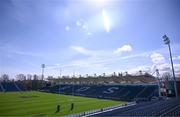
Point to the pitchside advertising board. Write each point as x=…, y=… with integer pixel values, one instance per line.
x=178, y=87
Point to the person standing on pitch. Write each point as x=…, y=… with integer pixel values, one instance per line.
x=58, y=108
x=72, y=106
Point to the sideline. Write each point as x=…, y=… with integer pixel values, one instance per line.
x=102, y=110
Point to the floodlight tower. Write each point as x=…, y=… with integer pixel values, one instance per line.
x=60, y=72
x=73, y=83
x=167, y=42
x=42, y=66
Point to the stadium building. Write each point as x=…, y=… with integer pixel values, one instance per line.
x=140, y=92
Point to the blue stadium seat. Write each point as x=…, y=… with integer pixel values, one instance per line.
x=12, y=86
x=164, y=108
x=121, y=92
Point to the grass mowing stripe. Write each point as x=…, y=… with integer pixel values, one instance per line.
x=39, y=103
x=32, y=102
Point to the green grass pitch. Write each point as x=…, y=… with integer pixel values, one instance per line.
x=34, y=103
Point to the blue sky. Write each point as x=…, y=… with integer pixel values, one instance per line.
x=88, y=36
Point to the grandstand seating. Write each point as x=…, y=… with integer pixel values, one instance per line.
x=1, y=87
x=19, y=86
x=118, y=92
x=11, y=86
x=170, y=107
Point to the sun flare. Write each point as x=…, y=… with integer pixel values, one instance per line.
x=106, y=20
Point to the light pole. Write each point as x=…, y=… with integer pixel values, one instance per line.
x=167, y=42
x=42, y=66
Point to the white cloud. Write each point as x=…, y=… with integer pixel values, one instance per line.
x=144, y=69
x=165, y=67
x=176, y=58
x=80, y=50
x=96, y=61
x=102, y=53
x=124, y=48
x=177, y=68
x=157, y=58
x=99, y=61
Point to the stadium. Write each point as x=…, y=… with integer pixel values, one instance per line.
x=89, y=58
x=92, y=96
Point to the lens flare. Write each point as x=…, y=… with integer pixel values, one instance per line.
x=106, y=20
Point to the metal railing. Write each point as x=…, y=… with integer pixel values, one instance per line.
x=102, y=110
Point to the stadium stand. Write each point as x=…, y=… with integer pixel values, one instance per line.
x=19, y=86
x=128, y=79
x=1, y=87
x=117, y=92
x=11, y=86
x=170, y=107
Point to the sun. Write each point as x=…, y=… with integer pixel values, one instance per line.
x=106, y=20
